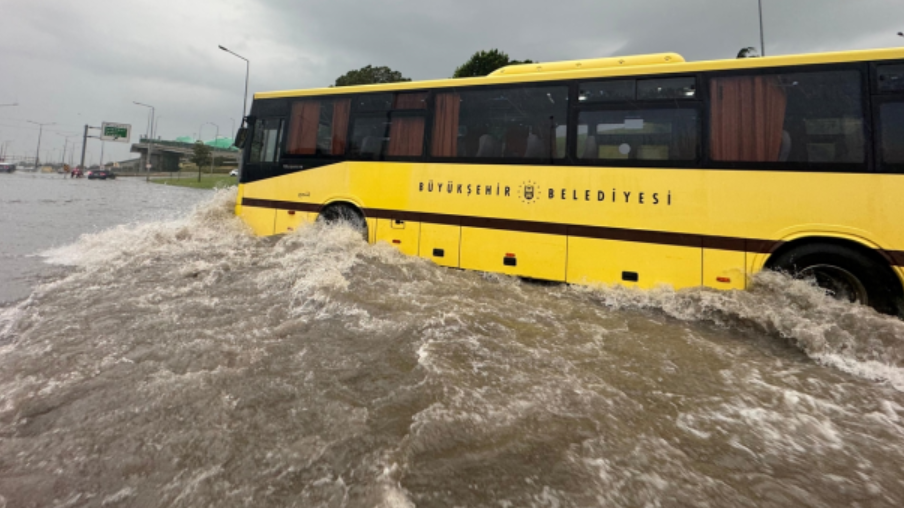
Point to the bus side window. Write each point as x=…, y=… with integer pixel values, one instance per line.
x=266, y=143
x=891, y=134
x=518, y=122
x=389, y=126
x=639, y=133
x=318, y=127
x=804, y=117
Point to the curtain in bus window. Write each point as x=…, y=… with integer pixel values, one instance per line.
x=341, y=109
x=303, y=128
x=445, y=125
x=748, y=115
x=406, y=136
x=410, y=101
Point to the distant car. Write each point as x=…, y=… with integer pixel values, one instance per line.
x=234, y=172
x=100, y=174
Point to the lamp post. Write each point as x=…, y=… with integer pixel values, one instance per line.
x=66, y=145
x=762, y=39
x=150, y=133
x=9, y=105
x=3, y=146
x=40, y=132
x=247, y=73
x=200, y=127
x=214, y=146
x=233, y=126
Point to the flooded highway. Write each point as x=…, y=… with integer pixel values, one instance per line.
x=166, y=357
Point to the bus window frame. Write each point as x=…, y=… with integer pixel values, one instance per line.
x=565, y=160
x=355, y=113
x=865, y=167
x=698, y=102
x=874, y=78
x=870, y=100
x=694, y=163
x=878, y=98
x=878, y=101
x=325, y=158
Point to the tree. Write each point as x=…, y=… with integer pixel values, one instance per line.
x=483, y=63
x=200, y=156
x=370, y=76
x=748, y=52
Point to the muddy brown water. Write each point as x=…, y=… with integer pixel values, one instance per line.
x=181, y=361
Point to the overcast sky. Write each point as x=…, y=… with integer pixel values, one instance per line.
x=77, y=62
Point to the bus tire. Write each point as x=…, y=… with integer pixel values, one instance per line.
x=334, y=214
x=848, y=274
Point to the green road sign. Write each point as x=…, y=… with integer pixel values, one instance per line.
x=118, y=132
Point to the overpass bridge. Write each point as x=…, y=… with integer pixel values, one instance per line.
x=166, y=155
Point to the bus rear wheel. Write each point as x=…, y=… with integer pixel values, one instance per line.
x=334, y=214
x=848, y=274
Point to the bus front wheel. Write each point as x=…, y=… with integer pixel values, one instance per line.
x=334, y=214
x=846, y=273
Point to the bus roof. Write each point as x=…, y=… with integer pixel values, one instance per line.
x=664, y=63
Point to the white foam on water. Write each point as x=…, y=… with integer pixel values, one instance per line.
x=852, y=338
x=210, y=225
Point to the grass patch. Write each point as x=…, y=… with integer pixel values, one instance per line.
x=207, y=181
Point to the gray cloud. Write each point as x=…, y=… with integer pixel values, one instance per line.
x=85, y=62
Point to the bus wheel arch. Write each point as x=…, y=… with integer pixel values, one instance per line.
x=849, y=269
x=343, y=211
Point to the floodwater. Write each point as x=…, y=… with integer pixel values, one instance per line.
x=181, y=362
x=38, y=211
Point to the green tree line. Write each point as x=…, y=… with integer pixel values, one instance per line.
x=481, y=63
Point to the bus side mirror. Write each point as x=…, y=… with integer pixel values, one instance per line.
x=240, y=137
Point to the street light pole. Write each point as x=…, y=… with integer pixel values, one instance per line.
x=214, y=147
x=150, y=133
x=247, y=73
x=762, y=39
x=66, y=146
x=40, y=133
x=9, y=105
x=3, y=146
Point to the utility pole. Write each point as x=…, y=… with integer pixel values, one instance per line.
x=3, y=149
x=214, y=147
x=40, y=133
x=762, y=39
x=66, y=146
x=85, y=144
x=150, y=133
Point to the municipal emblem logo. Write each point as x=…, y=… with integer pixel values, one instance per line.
x=529, y=192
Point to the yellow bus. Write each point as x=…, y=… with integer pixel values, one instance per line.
x=641, y=171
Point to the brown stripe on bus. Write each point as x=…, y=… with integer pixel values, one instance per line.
x=280, y=205
x=597, y=232
x=896, y=257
